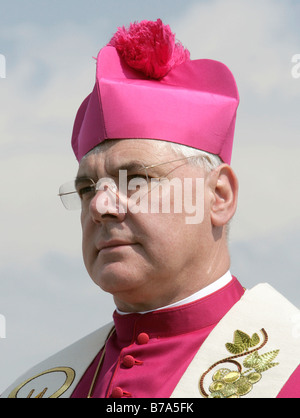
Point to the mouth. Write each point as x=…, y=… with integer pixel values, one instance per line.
x=111, y=245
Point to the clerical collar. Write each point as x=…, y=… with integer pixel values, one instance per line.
x=206, y=291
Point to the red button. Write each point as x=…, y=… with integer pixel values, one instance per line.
x=128, y=361
x=143, y=338
x=117, y=393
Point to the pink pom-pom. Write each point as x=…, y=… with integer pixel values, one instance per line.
x=149, y=47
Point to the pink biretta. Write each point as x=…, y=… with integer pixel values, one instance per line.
x=147, y=87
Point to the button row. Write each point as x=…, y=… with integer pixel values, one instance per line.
x=129, y=362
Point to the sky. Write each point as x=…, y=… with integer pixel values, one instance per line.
x=46, y=296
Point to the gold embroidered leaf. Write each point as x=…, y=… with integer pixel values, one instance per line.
x=242, y=342
x=263, y=368
x=251, y=361
x=255, y=340
x=241, y=338
x=236, y=348
x=269, y=357
x=261, y=363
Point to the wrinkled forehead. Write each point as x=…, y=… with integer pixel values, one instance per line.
x=114, y=154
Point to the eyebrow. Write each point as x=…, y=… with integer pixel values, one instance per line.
x=128, y=166
x=81, y=179
x=132, y=165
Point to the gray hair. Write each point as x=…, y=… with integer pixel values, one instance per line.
x=202, y=159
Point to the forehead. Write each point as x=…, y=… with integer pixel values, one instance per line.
x=116, y=153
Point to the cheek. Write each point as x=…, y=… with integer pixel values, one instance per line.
x=161, y=237
x=88, y=248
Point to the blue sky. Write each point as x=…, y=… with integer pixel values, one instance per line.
x=45, y=294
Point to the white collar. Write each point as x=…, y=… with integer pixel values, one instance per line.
x=206, y=291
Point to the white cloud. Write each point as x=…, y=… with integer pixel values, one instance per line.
x=256, y=39
x=273, y=259
x=33, y=219
x=45, y=84
x=269, y=199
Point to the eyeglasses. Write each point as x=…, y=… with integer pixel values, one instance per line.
x=135, y=177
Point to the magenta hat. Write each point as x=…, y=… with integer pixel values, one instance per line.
x=148, y=88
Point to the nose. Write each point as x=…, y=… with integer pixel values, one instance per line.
x=106, y=205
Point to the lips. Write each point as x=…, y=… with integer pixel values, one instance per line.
x=112, y=244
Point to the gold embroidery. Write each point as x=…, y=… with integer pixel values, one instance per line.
x=227, y=383
x=69, y=378
x=40, y=395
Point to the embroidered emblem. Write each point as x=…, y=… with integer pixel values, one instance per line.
x=67, y=375
x=228, y=383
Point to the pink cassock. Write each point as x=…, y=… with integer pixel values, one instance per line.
x=149, y=353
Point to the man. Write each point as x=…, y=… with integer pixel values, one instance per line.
x=157, y=192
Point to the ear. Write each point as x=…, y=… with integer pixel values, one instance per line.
x=223, y=185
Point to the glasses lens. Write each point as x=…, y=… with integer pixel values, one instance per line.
x=69, y=196
x=131, y=178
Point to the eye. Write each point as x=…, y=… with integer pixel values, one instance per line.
x=86, y=190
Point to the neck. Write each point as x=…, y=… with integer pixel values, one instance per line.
x=208, y=290
x=191, y=280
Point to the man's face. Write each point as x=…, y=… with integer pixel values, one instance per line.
x=145, y=260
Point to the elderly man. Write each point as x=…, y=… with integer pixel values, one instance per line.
x=157, y=192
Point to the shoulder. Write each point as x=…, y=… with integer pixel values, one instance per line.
x=260, y=334
x=58, y=375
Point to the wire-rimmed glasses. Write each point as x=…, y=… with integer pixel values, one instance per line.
x=135, y=177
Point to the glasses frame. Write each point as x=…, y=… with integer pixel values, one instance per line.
x=95, y=183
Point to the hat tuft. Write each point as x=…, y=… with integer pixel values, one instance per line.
x=149, y=47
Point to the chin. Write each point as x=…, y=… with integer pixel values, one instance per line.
x=114, y=278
